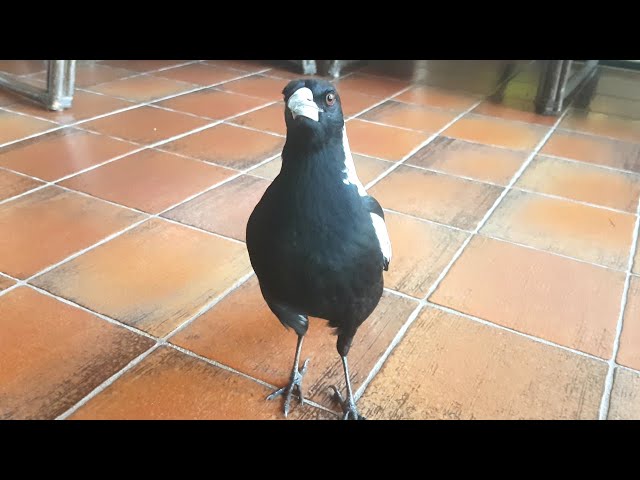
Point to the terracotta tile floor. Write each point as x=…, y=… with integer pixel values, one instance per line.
x=126, y=290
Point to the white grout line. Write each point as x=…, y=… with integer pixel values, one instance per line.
x=455, y=257
x=608, y=386
x=549, y=343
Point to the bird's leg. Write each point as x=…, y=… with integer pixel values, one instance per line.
x=348, y=405
x=296, y=380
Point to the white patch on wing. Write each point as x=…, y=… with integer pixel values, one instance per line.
x=350, y=167
x=301, y=103
x=383, y=235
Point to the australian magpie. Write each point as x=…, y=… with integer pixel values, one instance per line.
x=317, y=241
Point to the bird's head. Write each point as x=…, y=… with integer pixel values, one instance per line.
x=313, y=110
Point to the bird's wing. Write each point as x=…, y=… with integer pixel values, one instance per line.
x=377, y=218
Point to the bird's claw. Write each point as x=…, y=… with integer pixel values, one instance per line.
x=350, y=412
x=294, y=384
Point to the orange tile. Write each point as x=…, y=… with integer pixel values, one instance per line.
x=53, y=354
x=61, y=153
x=355, y=102
x=437, y=97
x=229, y=146
x=145, y=124
x=258, y=86
x=442, y=198
x=12, y=184
x=68, y=221
x=370, y=85
x=85, y=105
x=5, y=282
x=150, y=180
x=200, y=74
x=421, y=250
x=142, y=65
x=7, y=98
x=450, y=368
x=287, y=72
x=14, y=126
x=595, y=123
x=514, y=109
x=269, y=170
x=580, y=231
x=214, y=104
x=593, y=149
x=583, y=182
x=494, y=131
x=467, y=159
x=388, y=143
x=625, y=396
x=153, y=277
x=567, y=302
x=270, y=119
x=22, y=67
x=143, y=88
x=405, y=115
x=225, y=209
x=169, y=385
x=242, y=65
x=629, y=352
x=267, y=348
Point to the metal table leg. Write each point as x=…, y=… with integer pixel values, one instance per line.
x=557, y=83
x=60, y=85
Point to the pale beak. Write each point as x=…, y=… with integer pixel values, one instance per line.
x=301, y=104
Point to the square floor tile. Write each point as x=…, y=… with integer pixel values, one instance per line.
x=580, y=231
x=582, y=182
x=421, y=251
x=515, y=109
x=567, y=302
x=625, y=396
x=214, y=104
x=61, y=153
x=145, y=125
x=400, y=114
x=370, y=85
x=12, y=184
x=15, y=127
x=248, y=66
x=54, y=354
x=142, y=65
x=270, y=119
x=468, y=159
x=169, y=385
x=225, y=209
x=143, y=88
x=229, y=146
x=433, y=196
x=153, y=277
x=5, y=282
x=629, y=352
x=354, y=102
x=48, y=225
x=386, y=142
x=450, y=368
x=498, y=132
x=593, y=149
x=595, y=123
x=91, y=74
x=149, y=180
x=258, y=86
x=242, y=333
x=200, y=74
x=437, y=97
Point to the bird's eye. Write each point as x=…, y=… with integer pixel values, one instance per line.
x=331, y=98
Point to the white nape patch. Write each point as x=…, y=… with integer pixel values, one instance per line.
x=383, y=235
x=350, y=167
x=301, y=104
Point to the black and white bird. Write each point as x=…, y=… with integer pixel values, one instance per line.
x=317, y=241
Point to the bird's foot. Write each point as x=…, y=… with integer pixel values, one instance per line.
x=295, y=384
x=350, y=412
